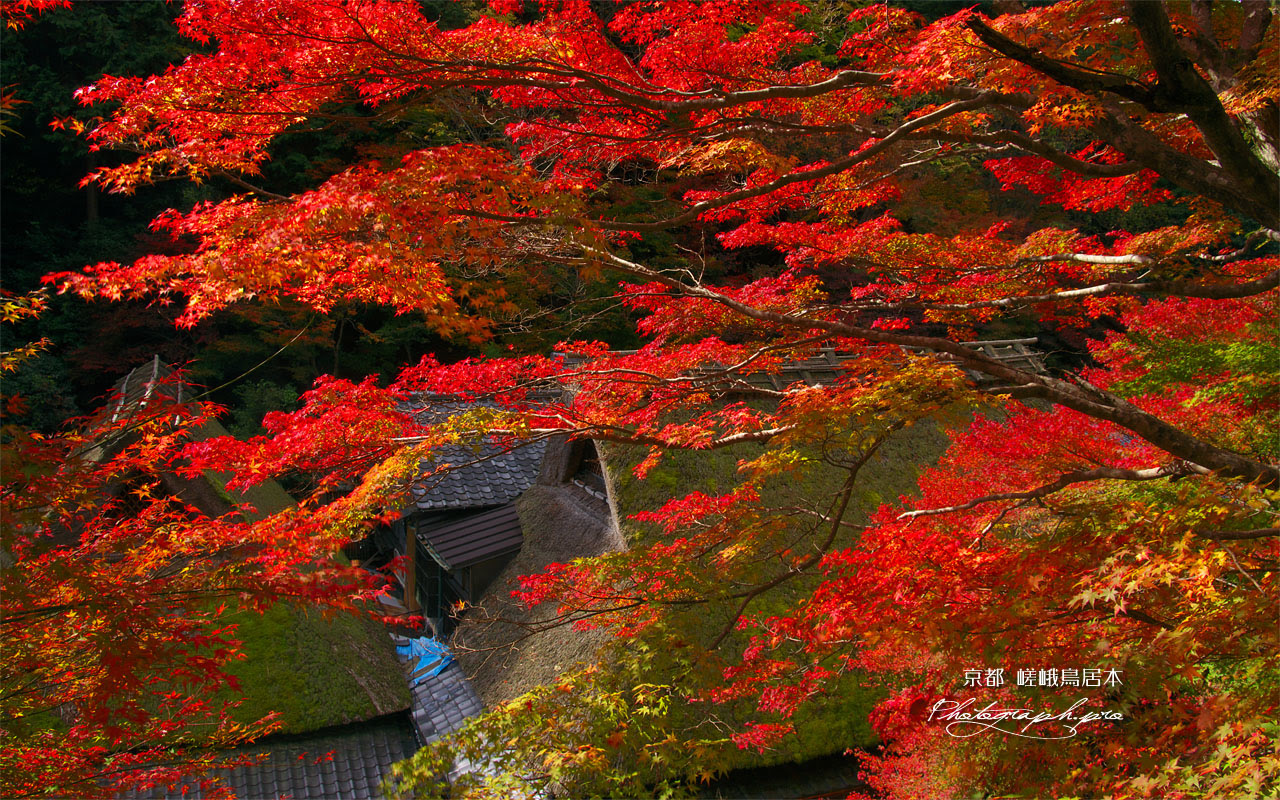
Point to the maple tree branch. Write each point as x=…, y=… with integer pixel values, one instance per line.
x=1086, y=400
x=1239, y=536
x=244, y=184
x=1089, y=258
x=1076, y=76
x=62, y=608
x=1079, y=476
x=835, y=519
x=710, y=375
x=1215, y=291
x=1194, y=174
x=842, y=505
x=1257, y=18
x=1021, y=141
x=818, y=515
x=1250, y=241
x=1240, y=178
x=1142, y=616
x=615, y=434
x=1203, y=45
x=763, y=350
x=834, y=168
x=715, y=444
x=557, y=76
x=1182, y=88
x=841, y=80
x=1240, y=568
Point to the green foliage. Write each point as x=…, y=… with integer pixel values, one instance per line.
x=1255, y=363
x=254, y=401
x=40, y=389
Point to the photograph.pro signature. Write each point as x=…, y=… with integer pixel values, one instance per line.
x=965, y=718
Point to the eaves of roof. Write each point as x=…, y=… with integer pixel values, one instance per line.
x=466, y=540
x=458, y=477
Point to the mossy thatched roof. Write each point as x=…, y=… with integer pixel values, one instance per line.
x=560, y=523
x=315, y=672
x=258, y=501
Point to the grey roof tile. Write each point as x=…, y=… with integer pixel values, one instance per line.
x=459, y=477
x=362, y=754
x=443, y=703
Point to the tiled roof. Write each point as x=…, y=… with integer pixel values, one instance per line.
x=349, y=762
x=441, y=704
x=460, y=541
x=461, y=477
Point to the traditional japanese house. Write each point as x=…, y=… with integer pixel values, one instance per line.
x=461, y=518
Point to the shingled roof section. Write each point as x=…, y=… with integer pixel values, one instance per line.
x=461, y=541
x=463, y=477
x=443, y=703
x=348, y=762
x=153, y=385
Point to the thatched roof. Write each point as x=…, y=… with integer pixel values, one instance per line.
x=153, y=389
x=258, y=501
x=560, y=523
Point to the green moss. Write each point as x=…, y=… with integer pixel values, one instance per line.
x=265, y=498
x=678, y=474
x=828, y=724
x=837, y=719
x=890, y=474
x=315, y=672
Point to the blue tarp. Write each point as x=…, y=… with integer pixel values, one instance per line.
x=430, y=657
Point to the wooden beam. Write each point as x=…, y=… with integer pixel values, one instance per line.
x=411, y=568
